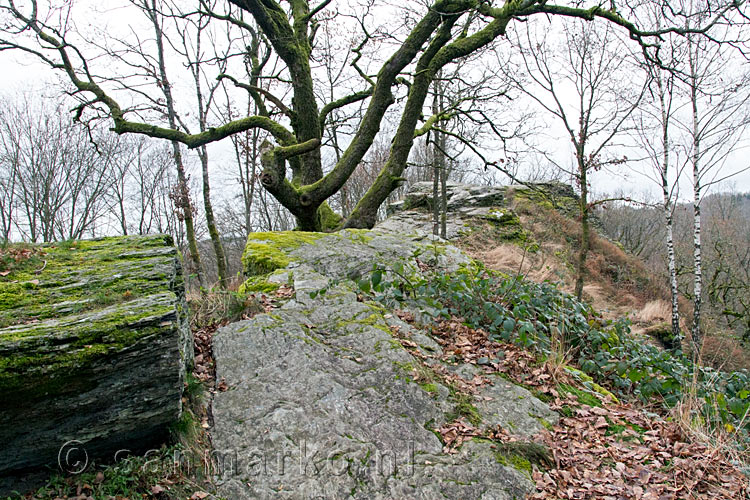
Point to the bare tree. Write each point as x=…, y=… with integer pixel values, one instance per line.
x=181, y=193
x=193, y=52
x=591, y=71
x=654, y=131
x=728, y=258
x=718, y=115
x=437, y=35
x=57, y=179
x=10, y=158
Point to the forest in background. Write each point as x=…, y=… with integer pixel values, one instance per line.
x=726, y=251
x=316, y=116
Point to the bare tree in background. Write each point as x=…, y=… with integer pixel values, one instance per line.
x=158, y=72
x=590, y=69
x=141, y=187
x=57, y=181
x=195, y=54
x=10, y=157
x=436, y=35
x=717, y=93
x=728, y=258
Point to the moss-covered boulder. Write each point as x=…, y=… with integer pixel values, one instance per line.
x=94, y=346
x=323, y=400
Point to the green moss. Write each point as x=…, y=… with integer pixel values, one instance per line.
x=430, y=426
x=585, y=398
x=589, y=383
x=374, y=320
x=549, y=196
x=357, y=235
x=266, y=252
x=329, y=220
x=408, y=369
x=35, y=365
x=76, y=276
x=503, y=217
x=464, y=407
x=429, y=387
x=521, y=464
x=47, y=299
x=544, y=423
x=522, y=454
x=258, y=284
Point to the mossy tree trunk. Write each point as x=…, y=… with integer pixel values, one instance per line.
x=203, y=105
x=585, y=242
x=436, y=156
x=221, y=262
x=444, y=31
x=440, y=173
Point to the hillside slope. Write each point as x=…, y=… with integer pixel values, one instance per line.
x=391, y=365
x=532, y=231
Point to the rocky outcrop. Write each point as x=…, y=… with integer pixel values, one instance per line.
x=94, y=346
x=322, y=398
x=468, y=204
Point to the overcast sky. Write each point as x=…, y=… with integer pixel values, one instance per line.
x=24, y=74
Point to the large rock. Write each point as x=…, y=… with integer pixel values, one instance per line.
x=321, y=399
x=94, y=346
x=469, y=204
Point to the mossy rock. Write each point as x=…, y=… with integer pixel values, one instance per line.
x=78, y=276
x=265, y=252
x=549, y=195
x=258, y=284
x=522, y=455
x=94, y=346
x=663, y=333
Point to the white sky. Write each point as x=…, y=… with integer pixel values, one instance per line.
x=23, y=74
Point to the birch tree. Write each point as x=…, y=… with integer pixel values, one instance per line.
x=437, y=34
x=653, y=131
x=718, y=114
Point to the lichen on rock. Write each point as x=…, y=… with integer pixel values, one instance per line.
x=324, y=401
x=94, y=346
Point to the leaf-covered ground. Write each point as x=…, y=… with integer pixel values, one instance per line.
x=601, y=448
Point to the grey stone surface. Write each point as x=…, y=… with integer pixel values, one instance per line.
x=321, y=400
x=320, y=405
x=513, y=408
x=351, y=254
x=466, y=204
x=105, y=371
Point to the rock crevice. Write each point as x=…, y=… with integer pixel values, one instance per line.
x=322, y=400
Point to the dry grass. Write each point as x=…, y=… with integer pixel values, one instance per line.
x=560, y=355
x=725, y=353
x=216, y=305
x=655, y=311
x=616, y=283
x=722, y=442
x=510, y=258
